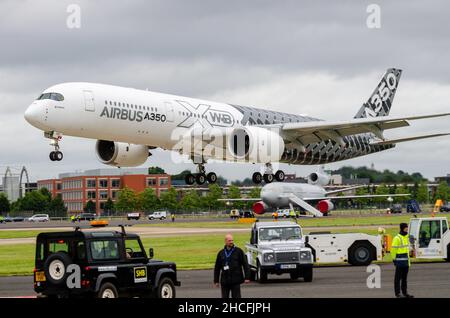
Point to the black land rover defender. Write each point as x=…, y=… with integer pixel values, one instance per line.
x=105, y=264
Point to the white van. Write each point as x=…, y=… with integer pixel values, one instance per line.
x=157, y=215
x=39, y=218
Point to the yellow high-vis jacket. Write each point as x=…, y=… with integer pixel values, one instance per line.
x=400, y=249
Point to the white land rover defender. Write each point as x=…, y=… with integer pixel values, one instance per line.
x=278, y=248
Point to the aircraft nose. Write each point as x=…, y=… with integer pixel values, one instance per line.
x=32, y=115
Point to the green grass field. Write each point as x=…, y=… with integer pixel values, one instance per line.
x=189, y=252
x=20, y=234
x=388, y=219
x=195, y=251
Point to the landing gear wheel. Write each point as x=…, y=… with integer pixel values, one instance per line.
x=279, y=175
x=200, y=178
x=52, y=155
x=212, y=177
x=268, y=178
x=190, y=179
x=257, y=178
x=58, y=155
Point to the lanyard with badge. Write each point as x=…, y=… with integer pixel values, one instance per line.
x=227, y=257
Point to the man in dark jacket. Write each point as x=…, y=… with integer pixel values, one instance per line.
x=232, y=269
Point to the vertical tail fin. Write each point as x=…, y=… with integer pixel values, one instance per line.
x=380, y=102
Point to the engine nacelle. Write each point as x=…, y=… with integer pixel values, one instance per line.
x=316, y=178
x=121, y=154
x=325, y=206
x=255, y=144
x=259, y=207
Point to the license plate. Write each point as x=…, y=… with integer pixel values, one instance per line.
x=39, y=276
x=288, y=266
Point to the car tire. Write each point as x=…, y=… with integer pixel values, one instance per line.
x=252, y=275
x=308, y=274
x=55, y=268
x=360, y=254
x=107, y=290
x=294, y=275
x=261, y=274
x=165, y=289
x=448, y=253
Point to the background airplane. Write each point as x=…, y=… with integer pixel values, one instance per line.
x=282, y=195
x=127, y=123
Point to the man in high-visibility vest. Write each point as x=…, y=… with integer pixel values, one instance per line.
x=400, y=256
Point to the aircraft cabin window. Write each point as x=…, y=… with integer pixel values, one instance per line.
x=115, y=104
x=110, y=102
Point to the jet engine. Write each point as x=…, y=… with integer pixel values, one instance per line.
x=325, y=206
x=255, y=144
x=317, y=178
x=121, y=154
x=259, y=207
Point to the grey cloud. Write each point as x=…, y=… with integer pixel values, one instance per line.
x=216, y=48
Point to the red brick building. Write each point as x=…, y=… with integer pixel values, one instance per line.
x=77, y=189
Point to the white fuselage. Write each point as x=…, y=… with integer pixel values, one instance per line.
x=277, y=194
x=128, y=115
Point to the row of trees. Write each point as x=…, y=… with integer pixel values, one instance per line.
x=376, y=176
x=35, y=202
x=147, y=200
x=418, y=192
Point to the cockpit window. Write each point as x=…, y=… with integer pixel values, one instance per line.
x=53, y=96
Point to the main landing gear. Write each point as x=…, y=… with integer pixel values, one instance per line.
x=268, y=176
x=55, y=138
x=200, y=177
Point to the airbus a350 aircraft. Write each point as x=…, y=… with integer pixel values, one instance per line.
x=127, y=123
x=282, y=195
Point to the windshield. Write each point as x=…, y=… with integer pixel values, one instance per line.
x=53, y=96
x=413, y=228
x=280, y=233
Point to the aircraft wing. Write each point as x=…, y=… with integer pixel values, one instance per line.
x=241, y=199
x=394, y=141
x=356, y=196
x=345, y=189
x=316, y=131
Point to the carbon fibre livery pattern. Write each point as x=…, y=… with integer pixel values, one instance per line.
x=316, y=153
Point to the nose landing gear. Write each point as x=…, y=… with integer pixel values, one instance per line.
x=55, y=138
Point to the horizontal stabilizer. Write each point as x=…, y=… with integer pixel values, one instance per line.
x=394, y=141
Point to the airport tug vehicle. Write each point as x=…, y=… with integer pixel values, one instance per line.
x=278, y=248
x=102, y=264
x=430, y=238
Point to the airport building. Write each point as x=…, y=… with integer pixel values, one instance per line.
x=99, y=185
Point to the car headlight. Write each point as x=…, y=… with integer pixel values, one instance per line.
x=305, y=255
x=269, y=257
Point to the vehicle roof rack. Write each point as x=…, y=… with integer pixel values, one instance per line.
x=122, y=226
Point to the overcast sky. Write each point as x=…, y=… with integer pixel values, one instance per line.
x=312, y=57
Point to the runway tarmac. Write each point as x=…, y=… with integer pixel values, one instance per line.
x=425, y=280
